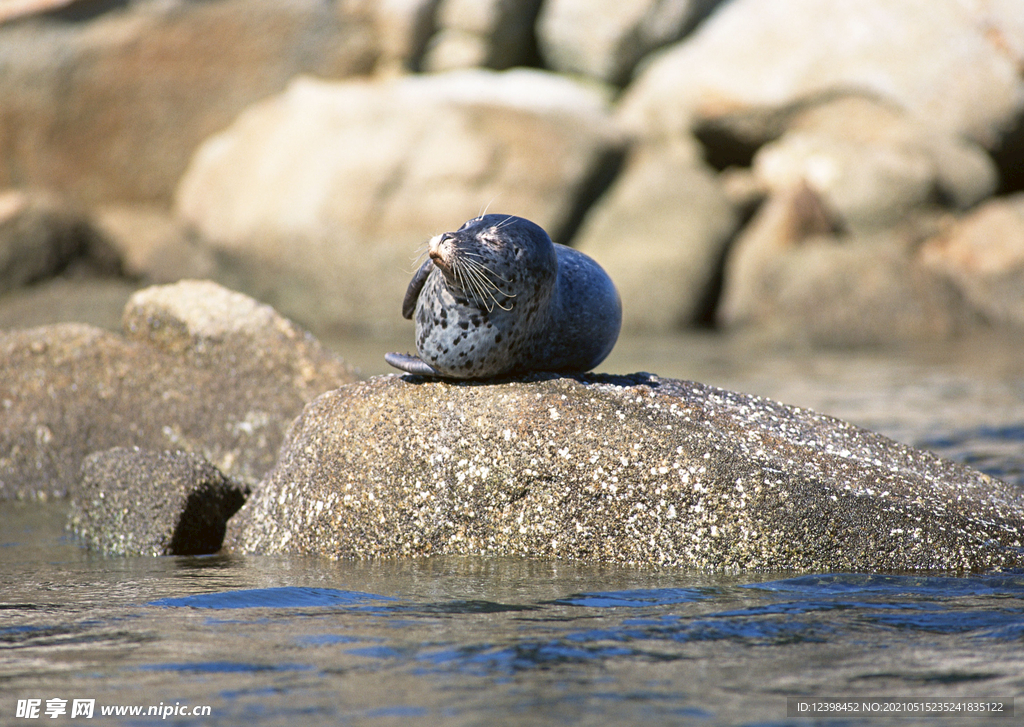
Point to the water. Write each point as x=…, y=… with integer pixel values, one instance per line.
x=471, y=641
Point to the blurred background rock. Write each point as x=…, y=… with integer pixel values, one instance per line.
x=835, y=173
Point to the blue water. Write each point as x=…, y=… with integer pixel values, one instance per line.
x=470, y=641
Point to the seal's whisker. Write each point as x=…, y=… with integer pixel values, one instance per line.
x=482, y=288
x=485, y=274
x=504, y=222
x=487, y=207
x=486, y=270
x=422, y=250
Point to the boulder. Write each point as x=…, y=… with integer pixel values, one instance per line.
x=605, y=39
x=318, y=199
x=152, y=244
x=950, y=64
x=790, y=275
x=982, y=257
x=134, y=502
x=872, y=164
x=402, y=29
x=109, y=106
x=635, y=470
x=41, y=235
x=200, y=369
x=660, y=231
x=489, y=33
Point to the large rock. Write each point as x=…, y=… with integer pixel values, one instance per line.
x=605, y=39
x=41, y=235
x=200, y=369
x=152, y=244
x=489, y=33
x=321, y=196
x=982, y=257
x=952, y=64
x=112, y=107
x=402, y=27
x=134, y=502
x=872, y=164
x=635, y=470
x=660, y=231
x=789, y=274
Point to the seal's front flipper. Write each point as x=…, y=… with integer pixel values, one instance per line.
x=411, y=364
x=412, y=293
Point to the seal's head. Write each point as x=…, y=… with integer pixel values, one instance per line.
x=489, y=259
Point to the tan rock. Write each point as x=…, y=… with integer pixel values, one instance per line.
x=202, y=369
x=789, y=276
x=951, y=64
x=112, y=107
x=872, y=165
x=487, y=33
x=321, y=197
x=660, y=232
x=152, y=244
x=982, y=256
x=605, y=39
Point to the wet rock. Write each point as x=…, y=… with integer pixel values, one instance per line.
x=487, y=33
x=636, y=470
x=606, y=39
x=660, y=231
x=109, y=106
x=792, y=276
x=318, y=199
x=947, y=63
x=136, y=502
x=200, y=369
x=982, y=257
x=872, y=165
x=42, y=235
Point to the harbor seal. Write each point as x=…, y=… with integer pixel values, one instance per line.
x=497, y=297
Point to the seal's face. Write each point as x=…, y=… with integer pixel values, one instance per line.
x=489, y=258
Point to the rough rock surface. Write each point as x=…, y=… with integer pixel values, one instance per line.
x=135, y=502
x=954, y=64
x=110, y=105
x=660, y=231
x=618, y=469
x=320, y=198
x=201, y=369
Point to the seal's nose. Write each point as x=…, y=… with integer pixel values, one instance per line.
x=436, y=251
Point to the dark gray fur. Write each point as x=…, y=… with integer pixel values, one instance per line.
x=551, y=308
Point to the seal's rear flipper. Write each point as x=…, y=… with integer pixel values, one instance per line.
x=411, y=364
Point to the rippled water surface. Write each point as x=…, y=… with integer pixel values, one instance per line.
x=471, y=641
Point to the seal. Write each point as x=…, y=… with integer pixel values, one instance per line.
x=497, y=297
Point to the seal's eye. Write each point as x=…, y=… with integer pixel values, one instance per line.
x=518, y=251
